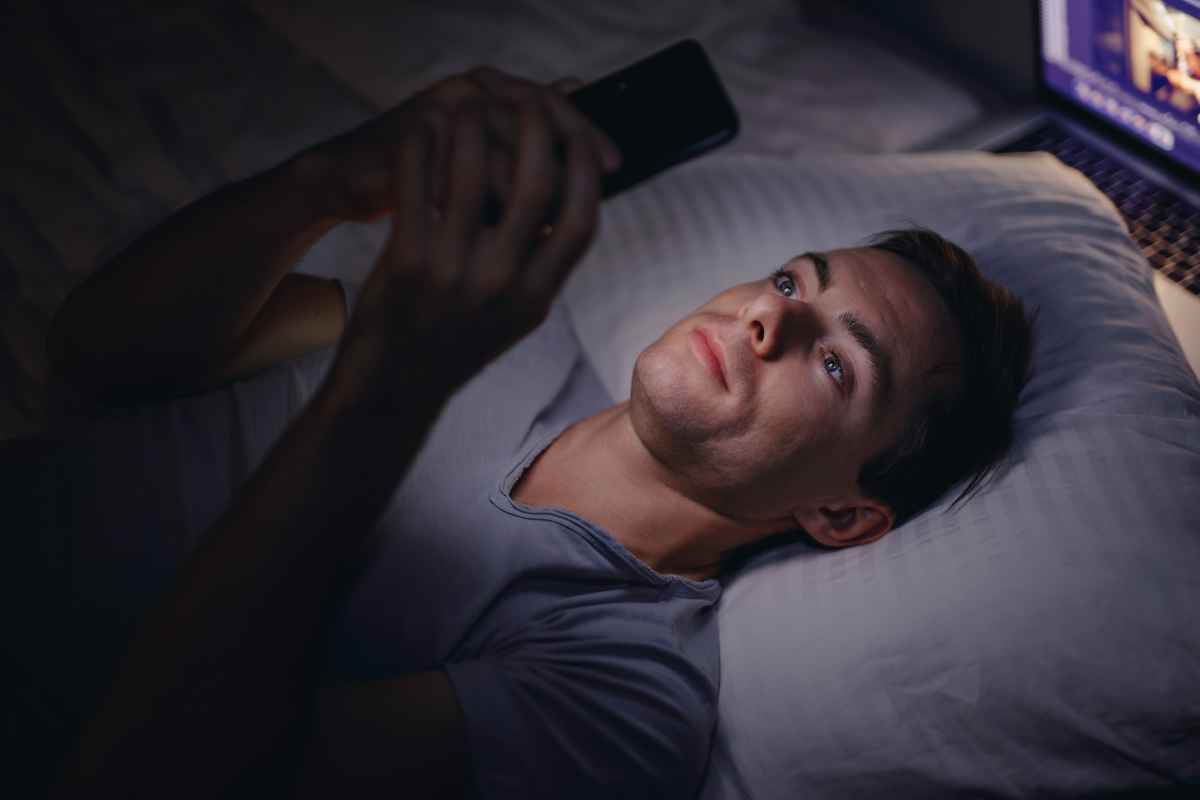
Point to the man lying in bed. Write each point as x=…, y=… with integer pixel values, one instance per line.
x=535, y=614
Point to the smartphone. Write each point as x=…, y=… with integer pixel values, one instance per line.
x=662, y=110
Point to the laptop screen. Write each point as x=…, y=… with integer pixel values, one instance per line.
x=1134, y=63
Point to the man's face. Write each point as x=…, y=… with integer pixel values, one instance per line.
x=771, y=397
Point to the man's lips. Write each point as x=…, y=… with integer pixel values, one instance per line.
x=708, y=354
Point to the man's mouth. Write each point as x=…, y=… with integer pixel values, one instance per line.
x=708, y=354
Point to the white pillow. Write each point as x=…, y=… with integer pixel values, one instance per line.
x=1042, y=639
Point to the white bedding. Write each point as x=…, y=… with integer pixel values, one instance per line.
x=798, y=88
x=115, y=115
x=1040, y=641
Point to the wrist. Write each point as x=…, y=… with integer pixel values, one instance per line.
x=343, y=179
x=309, y=180
x=357, y=387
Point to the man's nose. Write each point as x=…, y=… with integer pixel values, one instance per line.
x=776, y=323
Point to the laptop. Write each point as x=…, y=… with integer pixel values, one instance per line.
x=1120, y=101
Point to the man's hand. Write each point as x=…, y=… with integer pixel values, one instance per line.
x=452, y=290
x=226, y=665
x=355, y=174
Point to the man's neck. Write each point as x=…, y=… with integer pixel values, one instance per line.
x=599, y=469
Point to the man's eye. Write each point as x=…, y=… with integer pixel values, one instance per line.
x=833, y=365
x=784, y=283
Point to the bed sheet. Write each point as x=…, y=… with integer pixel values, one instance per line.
x=116, y=114
x=798, y=87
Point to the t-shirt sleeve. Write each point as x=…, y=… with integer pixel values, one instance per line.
x=304, y=374
x=610, y=708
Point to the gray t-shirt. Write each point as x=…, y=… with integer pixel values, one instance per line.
x=581, y=672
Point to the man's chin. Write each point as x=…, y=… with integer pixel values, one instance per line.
x=670, y=411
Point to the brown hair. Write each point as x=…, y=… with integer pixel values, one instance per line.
x=963, y=428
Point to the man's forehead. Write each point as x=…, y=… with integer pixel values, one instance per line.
x=902, y=308
x=888, y=281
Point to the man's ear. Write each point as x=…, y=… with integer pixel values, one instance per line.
x=859, y=521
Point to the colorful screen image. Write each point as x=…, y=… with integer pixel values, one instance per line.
x=1135, y=63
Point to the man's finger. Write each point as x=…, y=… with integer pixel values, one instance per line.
x=500, y=178
x=468, y=182
x=575, y=227
x=574, y=124
x=503, y=125
x=408, y=245
x=536, y=182
x=437, y=166
x=569, y=118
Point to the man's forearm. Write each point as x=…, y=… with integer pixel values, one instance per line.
x=183, y=294
x=224, y=666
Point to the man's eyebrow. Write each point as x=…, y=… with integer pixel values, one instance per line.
x=882, y=378
x=881, y=360
x=821, y=264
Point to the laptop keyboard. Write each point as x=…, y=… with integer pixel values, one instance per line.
x=1164, y=225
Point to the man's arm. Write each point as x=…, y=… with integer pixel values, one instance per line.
x=303, y=314
x=223, y=673
x=371, y=739
x=225, y=667
x=204, y=298
x=207, y=298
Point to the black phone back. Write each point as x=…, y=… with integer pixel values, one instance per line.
x=660, y=111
